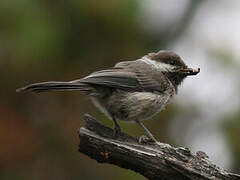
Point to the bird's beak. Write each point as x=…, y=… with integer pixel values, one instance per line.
x=189, y=71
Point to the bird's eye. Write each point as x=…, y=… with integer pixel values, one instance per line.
x=172, y=63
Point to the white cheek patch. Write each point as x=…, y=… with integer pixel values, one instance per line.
x=158, y=65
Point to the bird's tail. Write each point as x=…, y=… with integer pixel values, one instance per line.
x=54, y=86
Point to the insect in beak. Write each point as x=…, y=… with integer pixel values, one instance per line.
x=189, y=71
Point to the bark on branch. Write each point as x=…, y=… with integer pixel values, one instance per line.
x=151, y=160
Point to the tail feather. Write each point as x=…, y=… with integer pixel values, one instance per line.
x=54, y=86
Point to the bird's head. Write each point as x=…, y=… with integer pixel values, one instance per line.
x=171, y=64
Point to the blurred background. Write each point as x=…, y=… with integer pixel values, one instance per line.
x=65, y=40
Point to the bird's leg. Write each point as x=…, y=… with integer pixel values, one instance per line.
x=148, y=134
x=117, y=128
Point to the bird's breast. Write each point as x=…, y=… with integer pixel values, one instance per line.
x=132, y=106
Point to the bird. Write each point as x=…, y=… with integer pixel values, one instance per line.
x=130, y=91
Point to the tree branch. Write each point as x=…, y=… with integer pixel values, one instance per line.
x=152, y=161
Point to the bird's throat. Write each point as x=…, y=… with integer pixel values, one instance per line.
x=175, y=78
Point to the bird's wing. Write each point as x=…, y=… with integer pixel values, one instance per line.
x=148, y=83
x=145, y=77
x=114, y=78
x=124, y=75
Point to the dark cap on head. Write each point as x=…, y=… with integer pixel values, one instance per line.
x=168, y=57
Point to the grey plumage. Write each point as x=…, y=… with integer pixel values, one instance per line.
x=131, y=90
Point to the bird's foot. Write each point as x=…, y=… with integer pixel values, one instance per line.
x=116, y=132
x=145, y=140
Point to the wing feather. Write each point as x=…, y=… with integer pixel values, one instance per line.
x=125, y=75
x=112, y=78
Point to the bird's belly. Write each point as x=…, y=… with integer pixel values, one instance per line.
x=132, y=106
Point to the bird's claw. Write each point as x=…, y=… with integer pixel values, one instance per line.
x=144, y=140
x=116, y=132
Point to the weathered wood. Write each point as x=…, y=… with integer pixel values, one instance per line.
x=152, y=161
